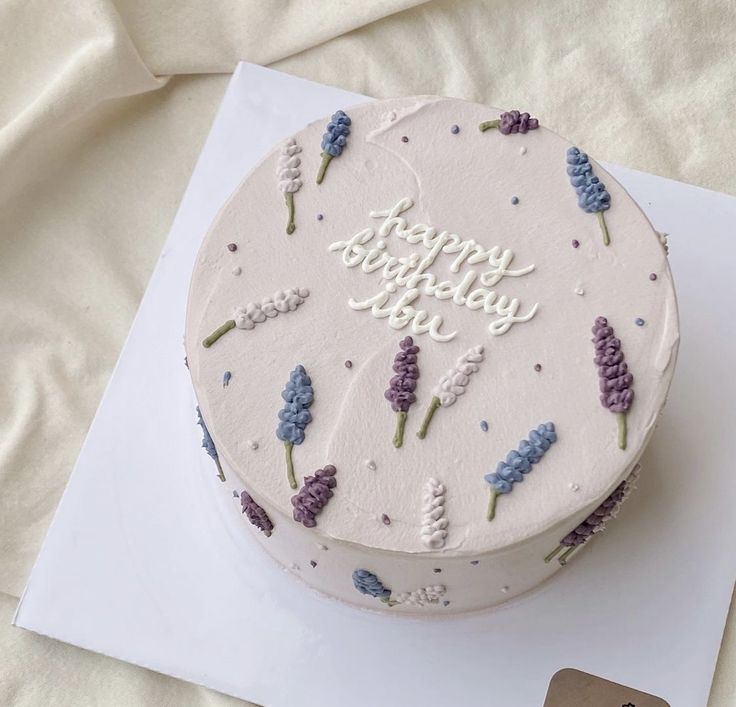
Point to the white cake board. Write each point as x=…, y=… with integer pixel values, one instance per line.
x=149, y=560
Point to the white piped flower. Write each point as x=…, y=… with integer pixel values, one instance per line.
x=289, y=177
x=453, y=383
x=422, y=596
x=434, y=524
x=282, y=301
x=288, y=167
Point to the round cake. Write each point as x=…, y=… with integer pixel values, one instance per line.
x=430, y=341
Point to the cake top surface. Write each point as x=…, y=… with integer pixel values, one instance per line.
x=487, y=249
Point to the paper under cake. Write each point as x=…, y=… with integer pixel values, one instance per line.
x=430, y=341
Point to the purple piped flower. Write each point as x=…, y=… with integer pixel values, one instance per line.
x=616, y=392
x=313, y=496
x=593, y=197
x=596, y=521
x=511, y=122
x=256, y=515
x=400, y=392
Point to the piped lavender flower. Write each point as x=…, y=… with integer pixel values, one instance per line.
x=518, y=463
x=367, y=583
x=593, y=198
x=288, y=175
x=256, y=515
x=511, y=122
x=596, y=521
x=256, y=312
x=613, y=374
x=451, y=385
x=209, y=445
x=400, y=392
x=313, y=496
x=333, y=141
x=295, y=416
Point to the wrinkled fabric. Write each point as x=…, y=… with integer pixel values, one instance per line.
x=104, y=107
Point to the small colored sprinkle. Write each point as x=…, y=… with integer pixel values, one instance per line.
x=237, y=270
x=313, y=563
x=514, y=200
x=455, y=129
x=484, y=425
x=252, y=444
x=404, y=139
x=445, y=603
x=371, y=464
x=226, y=379
x=652, y=276
x=522, y=151
x=232, y=247
x=474, y=562
x=537, y=367
x=639, y=321
x=436, y=570
x=576, y=244
x=320, y=217
x=348, y=364
x=385, y=519
x=574, y=487
x=505, y=589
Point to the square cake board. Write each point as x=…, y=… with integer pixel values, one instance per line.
x=149, y=560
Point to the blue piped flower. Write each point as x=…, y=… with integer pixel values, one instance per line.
x=367, y=583
x=295, y=416
x=593, y=197
x=208, y=445
x=519, y=462
x=334, y=140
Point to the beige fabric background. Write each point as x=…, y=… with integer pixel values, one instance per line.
x=104, y=107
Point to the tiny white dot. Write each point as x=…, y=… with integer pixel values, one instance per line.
x=390, y=287
x=505, y=589
x=237, y=270
x=574, y=487
x=371, y=464
x=579, y=291
x=252, y=444
x=522, y=151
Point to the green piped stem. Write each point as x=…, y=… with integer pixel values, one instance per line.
x=491, y=513
x=220, y=472
x=428, y=417
x=389, y=601
x=621, y=420
x=489, y=125
x=290, y=465
x=326, y=157
x=400, y=425
x=290, y=227
x=217, y=333
x=563, y=557
x=553, y=554
x=604, y=228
